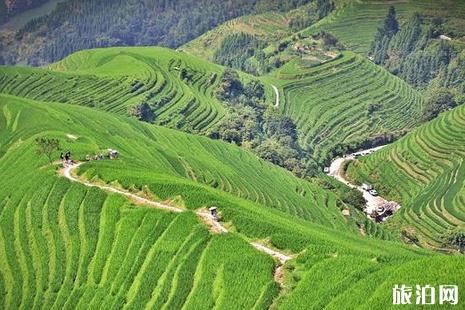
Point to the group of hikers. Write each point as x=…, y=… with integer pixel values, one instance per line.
x=67, y=160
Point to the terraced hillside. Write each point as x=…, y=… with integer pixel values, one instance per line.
x=178, y=87
x=270, y=27
x=364, y=17
x=344, y=102
x=173, y=160
x=70, y=246
x=425, y=171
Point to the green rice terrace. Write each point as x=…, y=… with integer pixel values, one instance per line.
x=178, y=87
x=269, y=27
x=68, y=246
x=364, y=17
x=345, y=101
x=216, y=197
x=368, y=101
x=425, y=171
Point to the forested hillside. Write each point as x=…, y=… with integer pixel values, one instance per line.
x=76, y=25
x=240, y=43
x=10, y=8
x=422, y=42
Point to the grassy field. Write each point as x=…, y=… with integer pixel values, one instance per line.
x=115, y=79
x=344, y=101
x=425, y=172
x=70, y=246
x=364, y=17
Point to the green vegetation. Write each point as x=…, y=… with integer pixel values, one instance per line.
x=250, y=42
x=419, y=41
x=345, y=103
x=177, y=87
x=67, y=245
x=73, y=246
x=416, y=53
x=424, y=171
x=121, y=23
x=9, y=8
x=266, y=27
x=438, y=101
x=172, y=160
x=457, y=240
x=36, y=9
x=259, y=127
x=363, y=18
x=236, y=49
x=384, y=35
x=47, y=147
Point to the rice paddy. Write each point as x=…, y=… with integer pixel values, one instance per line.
x=425, y=172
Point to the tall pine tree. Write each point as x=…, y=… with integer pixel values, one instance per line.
x=383, y=36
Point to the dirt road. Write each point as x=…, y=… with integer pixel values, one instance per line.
x=335, y=170
x=276, y=91
x=213, y=225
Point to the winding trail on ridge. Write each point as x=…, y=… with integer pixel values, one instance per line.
x=276, y=91
x=213, y=225
x=336, y=171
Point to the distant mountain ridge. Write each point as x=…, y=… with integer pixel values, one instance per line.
x=12, y=7
x=76, y=25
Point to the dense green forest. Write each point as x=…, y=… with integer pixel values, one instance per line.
x=75, y=25
x=259, y=127
x=237, y=48
x=9, y=8
x=418, y=52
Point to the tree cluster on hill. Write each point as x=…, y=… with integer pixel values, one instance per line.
x=383, y=36
x=417, y=53
x=258, y=127
x=9, y=8
x=76, y=25
x=438, y=101
x=318, y=10
x=142, y=112
x=236, y=50
x=455, y=239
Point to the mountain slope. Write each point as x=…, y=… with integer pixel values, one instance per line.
x=345, y=103
x=425, y=172
x=173, y=161
x=117, y=79
x=76, y=25
x=69, y=245
x=364, y=17
x=268, y=27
